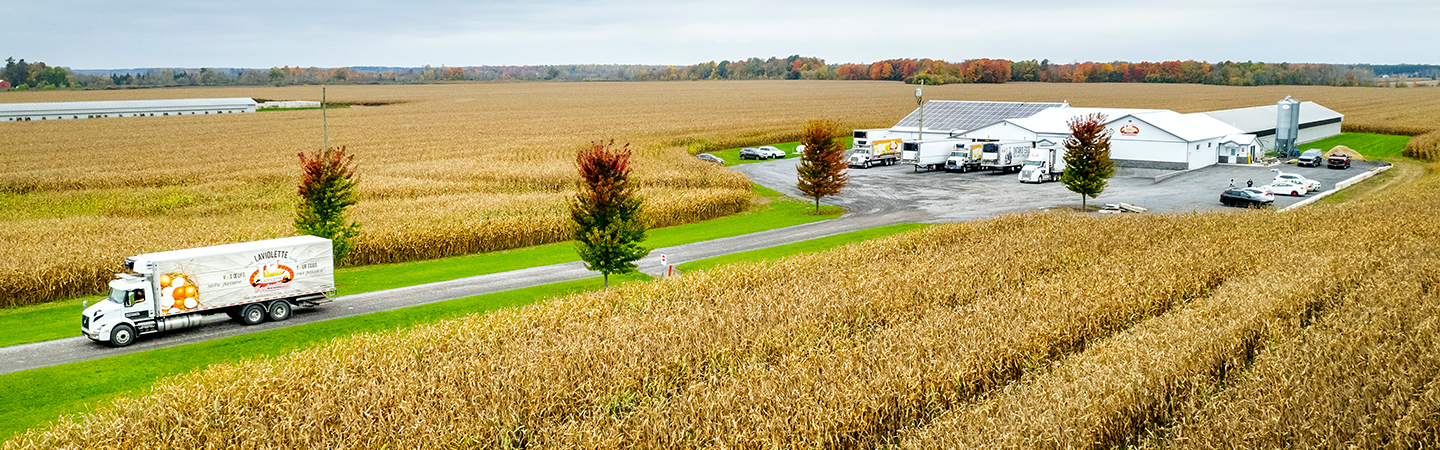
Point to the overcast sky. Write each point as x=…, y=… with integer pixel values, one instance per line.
x=267, y=33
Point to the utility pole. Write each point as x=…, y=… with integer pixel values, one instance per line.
x=324, y=123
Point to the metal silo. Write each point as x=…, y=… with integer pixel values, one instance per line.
x=1287, y=128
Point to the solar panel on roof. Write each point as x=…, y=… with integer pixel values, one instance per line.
x=948, y=115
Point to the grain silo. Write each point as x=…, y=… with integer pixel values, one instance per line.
x=1287, y=128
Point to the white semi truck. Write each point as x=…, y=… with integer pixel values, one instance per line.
x=965, y=157
x=249, y=281
x=1005, y=156
x=1044, y=164
x=930, y=154
x=875, y=147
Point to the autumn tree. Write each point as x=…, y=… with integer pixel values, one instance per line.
x=1087, y=157
x=327, y=188
x=822, y=166
x=605, y=215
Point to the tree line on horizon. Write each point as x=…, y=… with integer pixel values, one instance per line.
x=38, y=75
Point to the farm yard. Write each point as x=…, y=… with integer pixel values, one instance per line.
x=1156, y=330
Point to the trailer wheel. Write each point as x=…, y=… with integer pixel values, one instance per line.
x=279, y=310
x=123, y=335
x=252, y=314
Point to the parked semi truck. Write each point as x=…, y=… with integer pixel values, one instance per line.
x=249, y=281
x=1005, y=156
x=874, y=148
x=1044, y=164
x=930, y=154
x=965, y=157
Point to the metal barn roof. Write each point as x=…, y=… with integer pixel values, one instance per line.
x=1190, y=127
x=1261, y=119
x=1054, y=120
x=124, y=106
x=948, y=115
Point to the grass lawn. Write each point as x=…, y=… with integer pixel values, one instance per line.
x=60, y=319
x=34, y=397
x=1372, y=146
x=732, y=156
x=812, y=245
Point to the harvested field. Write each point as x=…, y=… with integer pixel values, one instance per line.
x=1105, y=331
x=462, y=168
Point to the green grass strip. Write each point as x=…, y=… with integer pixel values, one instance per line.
x=732, y=156
x=34, y=397
x=807, y=246
x=1372, y=146
x=61, y=319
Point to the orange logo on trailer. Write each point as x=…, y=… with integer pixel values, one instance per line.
x=271, y=276
x=1129, y=130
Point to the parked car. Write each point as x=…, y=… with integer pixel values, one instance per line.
x=753, y=153
x=1247, y=197
x=1338, y=161
x=1311, y=158
x=1310, y=185
x=772, y=152
x=710, y=158
x=1285, y=187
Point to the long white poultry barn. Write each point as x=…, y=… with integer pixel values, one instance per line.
x=21, y=112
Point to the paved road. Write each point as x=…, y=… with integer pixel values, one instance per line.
x=874, y=197
x=76, y=349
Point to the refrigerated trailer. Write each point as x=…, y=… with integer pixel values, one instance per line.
x=1005, y=156
x=930, y=154
x=877, y=147
x=250, y=281
x=1044, y=164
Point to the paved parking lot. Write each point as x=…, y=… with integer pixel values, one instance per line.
x=939, y=196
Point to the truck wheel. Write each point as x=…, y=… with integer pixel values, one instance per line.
x=867, y=164
x=279, y=310
x=252, y=314
x=123, y=335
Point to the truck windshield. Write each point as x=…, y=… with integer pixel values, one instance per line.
x=960, y=154
x=1032, y=163
x=117, y=296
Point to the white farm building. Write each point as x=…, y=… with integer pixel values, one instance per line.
x=1143, y=141
x=20, y=112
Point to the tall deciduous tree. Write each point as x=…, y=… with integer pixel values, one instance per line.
x=327, y=188
x=606, y=218
x=822, y=167
x=1087, y=157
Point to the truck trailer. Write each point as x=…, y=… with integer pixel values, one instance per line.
x=1005, y=156
x=875, y=148
x=1044, y=164
x=249, y=281
x=930, y=154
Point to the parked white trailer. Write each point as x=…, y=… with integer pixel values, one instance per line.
x=965, y=157
x=874, y=148
x=1005, y=156
x=1044, y=164
x=250, y=281
x=930, y=154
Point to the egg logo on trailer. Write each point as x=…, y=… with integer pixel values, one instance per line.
x=271, y=276
x=1129, y=130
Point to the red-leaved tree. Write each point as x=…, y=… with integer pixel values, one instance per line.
x=822, y=167
x=605, y=215
x=327, y=188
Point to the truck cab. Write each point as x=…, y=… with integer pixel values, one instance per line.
x=128, y=311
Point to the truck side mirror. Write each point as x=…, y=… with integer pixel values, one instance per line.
x=128, y=301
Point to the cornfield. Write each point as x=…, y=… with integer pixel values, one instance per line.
x=463, y=168
x=1309, y=328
